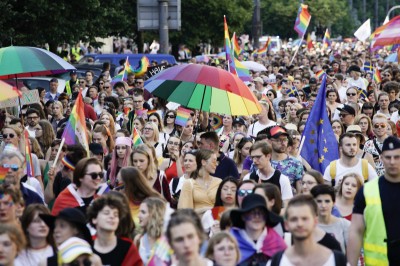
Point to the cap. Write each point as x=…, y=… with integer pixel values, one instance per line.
x=258, y=79
x=73, y=72
x=239, y=120
x=347, y=109
x=313, y=81
x=354, y=68
x=96, y=148
x=277, y=131
x=355, y=129
x=54, y=80
x=72, y=248
x=391, y=143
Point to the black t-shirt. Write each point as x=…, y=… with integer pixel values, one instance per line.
x=330, y=242
x=60, y=183
x=117, y=255
x=390, y=197
x=87, y=202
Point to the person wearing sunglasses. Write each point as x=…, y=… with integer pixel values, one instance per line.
x=347, y=115
x=87, y=185
x=374, y=146
x=11, y=136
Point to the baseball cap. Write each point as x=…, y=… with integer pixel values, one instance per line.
x=277, y=131
x=258, y=79
x=239, y=120
x=313, y=81
x=354, y=68
x=347, y=109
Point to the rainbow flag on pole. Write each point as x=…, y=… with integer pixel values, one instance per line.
x=302, y=20
x=75, y=131
x=228, y=50
x=3, y=173
x=122, y=76
x=28, y=155
x=137, y=140
x=377, y=76
x=142, y=68
x=262, y=51
x=235, y=46
x=309, y=42
x=182, y=116
x=327, y=40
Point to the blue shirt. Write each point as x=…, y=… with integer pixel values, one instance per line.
x=226, y=167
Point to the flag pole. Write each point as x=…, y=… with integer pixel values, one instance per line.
x=295, y=53
x=58, y=153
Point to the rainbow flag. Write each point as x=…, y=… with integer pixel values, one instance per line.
x=309, y=42
x=142, y=68
x=235, y=46
x=3, y=173
x=319, y=74
x=387, y=34
x=327, y=40
x=302, y=20
x=122, y=75
x=149, y=112
x=141, y=113
x=217, y=212
x=76, y=132
x=377, y=76
x=161, y=254
x=262, y=51
x=242, y=71
x=228, y=50
x=137, y=140
x=28, y=155
x=182, y=116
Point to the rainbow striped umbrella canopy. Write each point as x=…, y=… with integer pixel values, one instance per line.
x=21, y=61
x=204, y=88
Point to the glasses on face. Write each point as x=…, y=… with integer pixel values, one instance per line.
x=137, y=101
x=270, y=94
x=139, y=82
x=351, y=94
x=283, y=140
x=170, y=116
x=244, y=192
x=95, y=175
x=386, y=75
x=192, y=114
x=13, y=167
x=148, y=129
x=107, y=87
x=380, y=126
x=32, y=117
x=11, y=135
x=85, y=262
x=101, y=83
x=192, y=152
x=81, y=82
x=173, y=143
x=342, y=115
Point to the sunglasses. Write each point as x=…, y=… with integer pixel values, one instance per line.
x=193, y=152
x=270, y=94
x=342, y=115
x=81, y=82
x=86, y=262
x=11, y=135
x=192, y=114
x=380, y=126
x=106, y=87
x=351, y=94
x=95, y=175
x=170, y=116
x=244, y=192
x=13, y=167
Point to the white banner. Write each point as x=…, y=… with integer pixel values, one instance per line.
x=364, y=31
x=28, y=97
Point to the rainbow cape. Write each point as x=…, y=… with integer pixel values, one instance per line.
x=137, y=140
x=327, y=40
x=302, y=20
x=3, y=173
x=182, y=116
x=28, y=155
x=76, y=132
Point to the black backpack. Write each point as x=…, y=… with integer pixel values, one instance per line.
x=340, y=259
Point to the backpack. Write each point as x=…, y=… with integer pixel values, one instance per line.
x=340, y=259
x=364, y=166
x=273, y=180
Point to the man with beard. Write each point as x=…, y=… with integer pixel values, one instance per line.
x=32, y=117
x=348, y=162
x=280, y=160
x=301, y=221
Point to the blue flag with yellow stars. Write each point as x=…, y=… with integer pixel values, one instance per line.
x=320, y=146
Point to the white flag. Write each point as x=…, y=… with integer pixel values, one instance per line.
x=364, y=31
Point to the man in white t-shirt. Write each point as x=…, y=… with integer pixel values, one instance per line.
x=261, y=153
x=348, y=162
x=263, y=121
x=355, y=79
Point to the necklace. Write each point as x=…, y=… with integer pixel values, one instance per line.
x=205, y=183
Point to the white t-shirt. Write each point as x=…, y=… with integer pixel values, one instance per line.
x=33, y=257
x=342, y=170
x=356, y=83
x=32, y=133
x=284, y=181
x=257, y=127
x=286, y=262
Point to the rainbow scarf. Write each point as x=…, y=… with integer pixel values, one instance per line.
x=182, y=116
x=302, y=20
x=28, y=155
x=76, y=132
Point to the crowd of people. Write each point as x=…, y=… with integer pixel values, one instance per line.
x=202, y=194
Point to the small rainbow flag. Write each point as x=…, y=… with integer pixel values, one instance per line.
x=28, y=155
x=76, y=132
x=319, y=74
x=377, y=76
x=262, y=51
x=137, y=140
x=217, y=212
x=182, y=116
x=162, y=253
x=228, y=50
x=122, y=75
x=327, y=40
x=235, y=46
x=302, y=20
x=142, y=68
x=149, y=112
x=3, y=173
x=141, y=113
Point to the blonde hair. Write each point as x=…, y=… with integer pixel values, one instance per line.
x=146, y=151
x=216, y=239
x=156, y=208
x=112, y=122
x=60, y=105
x=156, y=132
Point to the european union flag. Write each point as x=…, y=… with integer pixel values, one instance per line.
x=319, y=142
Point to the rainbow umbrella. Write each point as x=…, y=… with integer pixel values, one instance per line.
x=8, y=91
x=204, y=88
x=21, y=61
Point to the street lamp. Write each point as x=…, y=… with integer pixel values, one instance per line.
x=387, y=16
